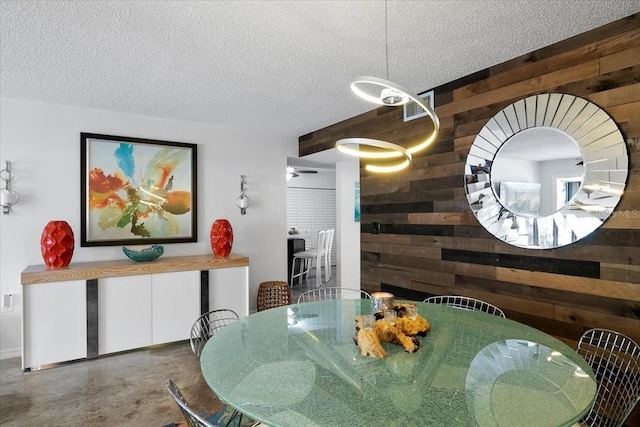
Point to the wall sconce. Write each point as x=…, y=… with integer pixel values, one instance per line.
x=243, y=200
x=8, y=197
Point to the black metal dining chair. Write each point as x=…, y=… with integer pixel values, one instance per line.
x=615, y=360
x=466, y=303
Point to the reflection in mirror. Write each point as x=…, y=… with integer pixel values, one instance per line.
x=489, y=384
x=546, y=171
x=537, y=171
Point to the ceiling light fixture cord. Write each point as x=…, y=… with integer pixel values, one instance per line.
x=388, y=94
x=386, y=37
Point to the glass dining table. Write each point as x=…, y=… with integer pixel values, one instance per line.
x=298, y=365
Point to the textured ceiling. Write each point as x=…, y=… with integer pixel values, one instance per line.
x=281, y=67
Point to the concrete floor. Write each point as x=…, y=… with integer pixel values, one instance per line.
x=126, y=389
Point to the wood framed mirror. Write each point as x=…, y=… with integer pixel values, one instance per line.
x=546, y=171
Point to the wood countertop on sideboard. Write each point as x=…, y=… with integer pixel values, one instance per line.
x=117, y=268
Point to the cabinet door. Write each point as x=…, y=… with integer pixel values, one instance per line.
x=54, y=323
x=124, y=313
x=229, y=288
x=176, y=305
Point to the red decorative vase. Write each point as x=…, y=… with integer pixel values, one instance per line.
x=57, y=244
x=221, y=238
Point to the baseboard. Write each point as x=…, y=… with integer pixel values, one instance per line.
x=10, y=354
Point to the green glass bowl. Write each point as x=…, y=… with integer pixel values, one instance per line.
x=144, y=255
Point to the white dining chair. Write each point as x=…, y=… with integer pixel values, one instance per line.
x=328, y=247
x=466, y=303
x=332, y=293
x=305, y=260
x=615, y=360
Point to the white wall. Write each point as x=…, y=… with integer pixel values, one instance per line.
x=347, y=230
x=42, y=141
x=514, y=170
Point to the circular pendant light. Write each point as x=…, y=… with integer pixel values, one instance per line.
x=383, y=92
x=352, y=146
x=367, y=88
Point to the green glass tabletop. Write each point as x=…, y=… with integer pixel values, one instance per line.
x=298, y=366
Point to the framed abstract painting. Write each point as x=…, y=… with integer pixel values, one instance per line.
x=137, y=191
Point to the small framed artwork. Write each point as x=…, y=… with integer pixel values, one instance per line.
x=137, y=191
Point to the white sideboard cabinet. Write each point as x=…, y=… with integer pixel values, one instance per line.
x=95, y=308
x=54, y=322
x=124, y=313
x=175, y=308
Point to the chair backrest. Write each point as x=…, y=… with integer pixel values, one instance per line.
x=207, y=325
x=319, y=243
x=328, y=241
x=332, y=293
x=193, y=419
x=466, y=303
x=322, y=238
x=615, y=360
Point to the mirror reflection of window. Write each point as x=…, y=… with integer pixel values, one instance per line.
x=530, y=164
x=566, y=190
x=571, y=189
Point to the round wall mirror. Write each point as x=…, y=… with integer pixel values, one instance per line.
x=546, y=171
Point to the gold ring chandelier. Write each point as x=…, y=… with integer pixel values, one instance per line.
x=391, y=95
x=386, y=93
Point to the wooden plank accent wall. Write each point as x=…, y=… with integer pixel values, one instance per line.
x=427, y=241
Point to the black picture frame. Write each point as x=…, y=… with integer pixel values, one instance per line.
x=137, y=191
